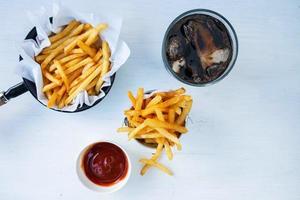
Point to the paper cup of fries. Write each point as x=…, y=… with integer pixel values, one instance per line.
x=73, y=57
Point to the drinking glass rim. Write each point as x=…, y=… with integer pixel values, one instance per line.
x=232, y=37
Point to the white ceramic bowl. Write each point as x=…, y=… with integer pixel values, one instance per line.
x=98, y=188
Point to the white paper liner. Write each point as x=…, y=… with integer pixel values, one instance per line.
x=62, y=15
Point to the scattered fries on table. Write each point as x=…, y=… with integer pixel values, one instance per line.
x=158, y=120
x=76, y=60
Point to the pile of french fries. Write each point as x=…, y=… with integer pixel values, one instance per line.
x=160, y=120
x=76, y=60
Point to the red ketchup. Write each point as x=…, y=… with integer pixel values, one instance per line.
x=105, y=164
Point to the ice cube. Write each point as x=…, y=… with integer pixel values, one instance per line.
x=216, y=57
x=176, y=65
x=203, y=41
x=175, y=48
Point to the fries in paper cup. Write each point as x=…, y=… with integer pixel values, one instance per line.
x=73, y=57
x=67, y=72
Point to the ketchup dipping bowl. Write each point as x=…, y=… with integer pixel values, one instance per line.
x=103, y=167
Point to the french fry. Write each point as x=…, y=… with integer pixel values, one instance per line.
x=180, y=91
x=58, y=57
x=179, y=147
x=65, y=32
x=62, y=74
x=98, y=55
x=154, y=158
x=139, y=99
x=50, y=86
x=133, y=123
x=169, y=102
x=91, y=92
x=105, y=50
x=83, y=76
x=51, y=78
x=125, y=129
x=150, y=135
x=132, y=112
x=65, y=65
x=92, y=37
x=144, y=169
x=87, y=66
x=106, y=63
x=97, y=44
x=171, y=116
x=83, y=85
x=53, y=98
x=131, y=97
x=60, y=94
x=180, y=120
x=136, y=130
x=157, y=165
x=74, y=75
x=159, y=114
x=76, y=31
x=87, y=27
x=178, y=110
x=104, y=71
x=92, y=84
x=61, y=104
x=168, y=135
x=40, y=58
x=154, y=101
x=76, y=51
x=71, y=63
x=88, y=50
x=72, y=89
x=79, y=65
x=168, y=150
x=71, y=57
x=147, y=130
x=101, y=27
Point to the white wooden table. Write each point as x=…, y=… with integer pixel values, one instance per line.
x=244, y=139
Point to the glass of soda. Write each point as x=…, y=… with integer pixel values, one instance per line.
x=200, y=47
